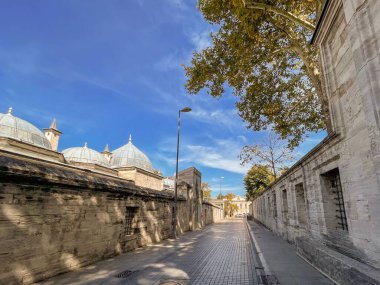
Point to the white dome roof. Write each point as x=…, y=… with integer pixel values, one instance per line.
x=128, y=155
x=85, y=155
x=21, y=130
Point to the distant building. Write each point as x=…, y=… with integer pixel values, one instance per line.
x=243, y=205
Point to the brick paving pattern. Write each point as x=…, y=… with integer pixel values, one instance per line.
x=221, y=254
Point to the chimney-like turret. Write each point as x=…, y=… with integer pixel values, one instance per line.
x=52, y=134
x=107, y=154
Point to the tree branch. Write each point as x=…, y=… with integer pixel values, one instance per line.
x=261, y=6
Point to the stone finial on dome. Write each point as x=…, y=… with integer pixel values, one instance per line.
x=85, y=145
x=10, y=111
x=130, y=138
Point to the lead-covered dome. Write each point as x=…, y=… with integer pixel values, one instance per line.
x=85, y=155
x=21, y=130
x=128, y=156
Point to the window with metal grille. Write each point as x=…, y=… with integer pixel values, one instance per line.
x=336, y=188
x=335, y=211
x=129, y=216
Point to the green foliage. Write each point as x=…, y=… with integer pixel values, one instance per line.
x=262, y=52
x=257, y=180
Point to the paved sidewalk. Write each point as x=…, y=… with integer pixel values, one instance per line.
x=220, y=254
x=282, y=259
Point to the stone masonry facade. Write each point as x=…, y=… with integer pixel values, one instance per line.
x=55, y=218
x=328, y=202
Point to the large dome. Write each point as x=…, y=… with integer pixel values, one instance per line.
x=128, y=155
x=85, y=155
x=21, y=130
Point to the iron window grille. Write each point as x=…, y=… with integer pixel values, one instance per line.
x=130, y=214
x=336, y=189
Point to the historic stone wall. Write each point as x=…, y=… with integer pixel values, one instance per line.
x=193, y=177
x=211, y=213
x=55, y=218
x=142, y=177
x=328, y=203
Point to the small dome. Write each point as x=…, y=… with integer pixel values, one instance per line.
x=21, y=130
x=85, y=155
x=128, y=155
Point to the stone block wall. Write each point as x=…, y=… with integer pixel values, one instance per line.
x=211, y=213
x=302, y=208
x=142, y=177
x=55, y=218
x=193, y=178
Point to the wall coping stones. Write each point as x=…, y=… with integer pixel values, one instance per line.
x=17, y=167
x=211, y=204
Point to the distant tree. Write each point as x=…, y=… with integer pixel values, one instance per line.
x=206, y=190
x=233, y=209
x=257, y=180
x=262, y=52
x=229, y=207
x=272, y=153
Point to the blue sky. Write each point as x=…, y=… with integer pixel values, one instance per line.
x=107, y=69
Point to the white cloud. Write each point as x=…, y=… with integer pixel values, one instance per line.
x=227, y=189
x=163, y=97
x=227, y=119
x=180, y=4
x=169, y=62
x=217, y=153
x=200, y=40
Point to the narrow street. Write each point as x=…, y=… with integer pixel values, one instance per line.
x=223, y=253
x=220, y=254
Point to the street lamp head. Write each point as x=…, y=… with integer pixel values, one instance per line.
x=186, y=109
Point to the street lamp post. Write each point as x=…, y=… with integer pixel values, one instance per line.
x=220, y=188
x=184, y=110
x=220, y=192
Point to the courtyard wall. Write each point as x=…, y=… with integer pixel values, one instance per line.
x=56, y=218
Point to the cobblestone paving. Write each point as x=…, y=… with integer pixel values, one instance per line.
x=221, y=254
